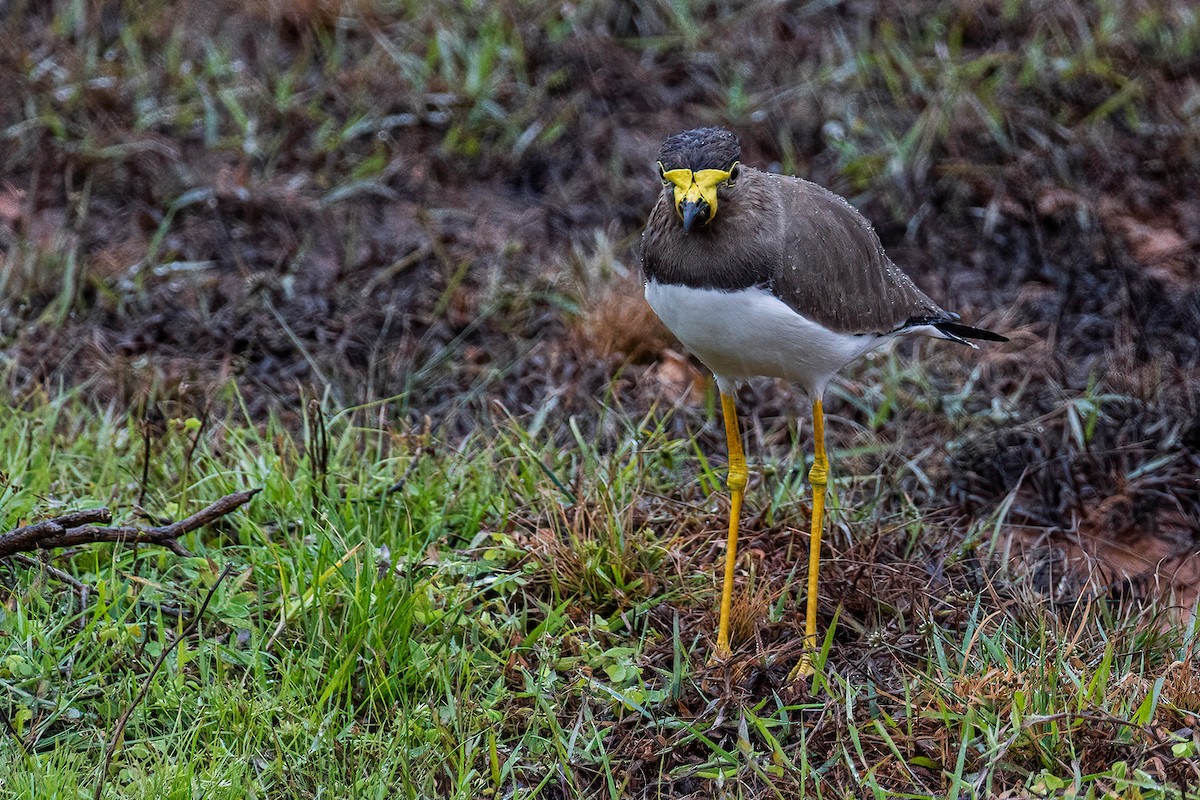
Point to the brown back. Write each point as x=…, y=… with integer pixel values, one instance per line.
x=805, y=244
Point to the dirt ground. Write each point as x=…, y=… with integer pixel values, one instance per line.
x=466, y=245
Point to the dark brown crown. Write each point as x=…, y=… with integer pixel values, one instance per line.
x=702, y=148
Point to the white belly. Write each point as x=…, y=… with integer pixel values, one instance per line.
x=751, y=332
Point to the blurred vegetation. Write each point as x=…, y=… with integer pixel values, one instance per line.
x=287, y=193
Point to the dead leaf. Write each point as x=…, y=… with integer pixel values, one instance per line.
x=1053, y=201
x=677, y=378
x=11, y=200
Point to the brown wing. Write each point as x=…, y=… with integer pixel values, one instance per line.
x=832, y=269
x=804, y=243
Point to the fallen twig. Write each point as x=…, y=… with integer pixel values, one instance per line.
x=82, y=527
x=119, y=728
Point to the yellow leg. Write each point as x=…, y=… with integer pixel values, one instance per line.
x=818, y=476
x=737, y=487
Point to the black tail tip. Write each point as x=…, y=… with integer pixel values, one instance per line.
x=967, y=332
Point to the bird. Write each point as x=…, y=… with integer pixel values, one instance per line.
x=763, y=274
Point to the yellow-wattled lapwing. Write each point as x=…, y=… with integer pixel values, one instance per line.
x=764, y=274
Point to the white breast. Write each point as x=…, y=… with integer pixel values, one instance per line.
x=751, y=332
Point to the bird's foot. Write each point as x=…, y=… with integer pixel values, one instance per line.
x=720, y=655
x=803, y=670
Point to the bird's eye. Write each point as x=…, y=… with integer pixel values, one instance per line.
x=662, y=174
x=734, y=172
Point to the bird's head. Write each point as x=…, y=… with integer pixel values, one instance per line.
x=694, y=165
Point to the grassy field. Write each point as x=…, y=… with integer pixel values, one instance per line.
x=515, y=619
x=379, y=260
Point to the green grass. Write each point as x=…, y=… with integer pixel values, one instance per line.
x=515, y=618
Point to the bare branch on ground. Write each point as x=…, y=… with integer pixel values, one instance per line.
x=85, y=527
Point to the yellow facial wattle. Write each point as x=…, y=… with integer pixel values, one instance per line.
x=696, y=187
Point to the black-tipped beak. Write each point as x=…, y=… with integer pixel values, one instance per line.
x=693, y=211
